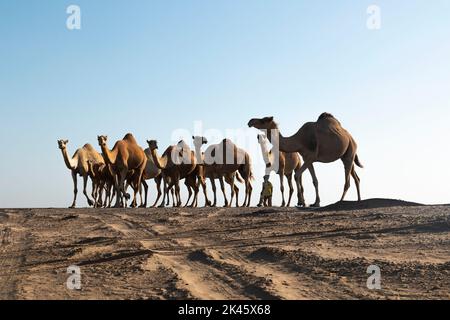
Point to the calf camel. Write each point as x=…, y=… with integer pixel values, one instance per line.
x=288, y=163
x=225, y=160
x=103, y=181
x=125, y=159
x=322, y=141
x=78, y=164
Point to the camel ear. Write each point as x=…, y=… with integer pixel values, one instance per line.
x=66, y=141
x=268, y=119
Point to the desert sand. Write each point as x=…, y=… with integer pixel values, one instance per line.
x=227, y=253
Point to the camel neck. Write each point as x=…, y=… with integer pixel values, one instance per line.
x=265, y=153
x=285, y=144
x=110, y=157
x=67, y=160
x=161, y=163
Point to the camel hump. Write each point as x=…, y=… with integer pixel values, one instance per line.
x=327, y=119
x=168, y=151
x=88, y=146
x=325, y=115
x=228, y=143
x=129, y=137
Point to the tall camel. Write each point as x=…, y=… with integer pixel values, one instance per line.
x=225, y=160
x=151, y=171
x=288, y=163
x=78, y=164
x=322, y=141
x=176, y=163
x=213, y=172
x=124, y=159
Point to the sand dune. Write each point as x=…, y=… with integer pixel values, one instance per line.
x=238, y=253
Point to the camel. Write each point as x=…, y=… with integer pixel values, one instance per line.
x=78, y=164
x=125, y=159
x=322, y=141
x=177, y=162
x=151, y=171
x=211, y=172
x=226, y=160
x=288, y=163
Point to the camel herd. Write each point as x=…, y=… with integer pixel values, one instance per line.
x=127, y=165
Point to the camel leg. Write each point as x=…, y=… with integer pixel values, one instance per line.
x=112, y=193
x=172, y=193
x=357, y=181
x=348, y=164
x=94, y=193
x=126, y=194
x=248, y=190
x=213, y=185
x=236, y=190
x=298, y=175
x=300, y=190
x=205, y=193
x=117, y=191
x=145, y=185
x=291, y=188
x=107, y=194
x=100, y=194
x=137, y=187
x=246, y=195
x=171, y=188
x=85, y=181
x=75, y=189
x=203, y=184
x=196, y=190
x=189, y=193
x=135, y=192
x=177, y=191
x=121, y=192
x=222, y=186
x=233, y=189
x=283, y=203
x=158, y=188
x=191, y=184
x=312, y=172
x=166, y=190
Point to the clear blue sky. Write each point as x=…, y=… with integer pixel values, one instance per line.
x=150, y=67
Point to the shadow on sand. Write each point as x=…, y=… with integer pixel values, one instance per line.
x=364, y=204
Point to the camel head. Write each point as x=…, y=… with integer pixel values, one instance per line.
x=198, y=140
x=152, y=144
x=102, y=140
x=62, y=144
x=266, y=123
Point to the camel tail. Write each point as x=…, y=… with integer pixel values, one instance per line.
x=357, y=162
